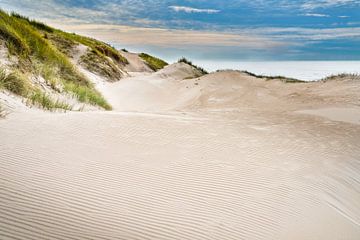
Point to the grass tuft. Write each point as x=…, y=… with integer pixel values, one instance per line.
x=184, y=60
x=101, y=65
x=342, y=76
x=89, y=95
x=282, y=78
x=153, y=62
x=43, y=100
x=14, y=82
x=2, y=112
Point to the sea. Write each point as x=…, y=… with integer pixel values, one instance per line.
x=303, y=70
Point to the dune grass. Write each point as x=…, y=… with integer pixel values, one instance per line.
x=184, y=60
x=2, y=112
x=25, y=39
x=342, y=76
x=100, y=65
x=44, y=101
x=153, y=62
x=282, y=78
x=85, y=94
x=14, y=82
x=98, y=47
x=17, y=83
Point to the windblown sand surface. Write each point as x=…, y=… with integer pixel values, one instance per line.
x=225, y=156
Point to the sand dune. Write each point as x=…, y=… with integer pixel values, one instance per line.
x=224, y=156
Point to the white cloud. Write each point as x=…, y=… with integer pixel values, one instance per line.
x=193, y=10
x=137, y=36
x=297, y=34
x=315, y=15
x=343, y=16
x=314, y=4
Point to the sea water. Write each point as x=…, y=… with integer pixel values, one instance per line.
x=304, y=70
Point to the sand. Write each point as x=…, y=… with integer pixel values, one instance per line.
x=224, y=156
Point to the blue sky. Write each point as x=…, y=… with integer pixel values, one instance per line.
x=233, y=30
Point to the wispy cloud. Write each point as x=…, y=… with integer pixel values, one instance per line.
x=302, y=35
x=193, y=10
x=128, y=35
x=315, y=15
x=237, y=25
x=313, y=4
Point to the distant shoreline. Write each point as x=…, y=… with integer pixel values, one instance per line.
x=302, y=70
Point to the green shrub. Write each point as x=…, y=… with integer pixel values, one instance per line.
x=153, y=62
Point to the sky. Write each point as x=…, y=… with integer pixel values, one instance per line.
x=212, y=30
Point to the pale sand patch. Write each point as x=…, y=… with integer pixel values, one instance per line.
x=349, y=115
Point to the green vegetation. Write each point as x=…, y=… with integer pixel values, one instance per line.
x=282, y=78
x=85, y=94
x=99, y=48
x=154, y=63
x=100, y=65
x=200, y=69
x=37, y=49
x=64, y=41
x=41, y=99
x=14, y=82
x=342, y=76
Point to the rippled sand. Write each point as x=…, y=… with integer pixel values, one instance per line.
x=193, y=174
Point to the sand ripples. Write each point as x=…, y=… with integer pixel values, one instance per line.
x=116, y=176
